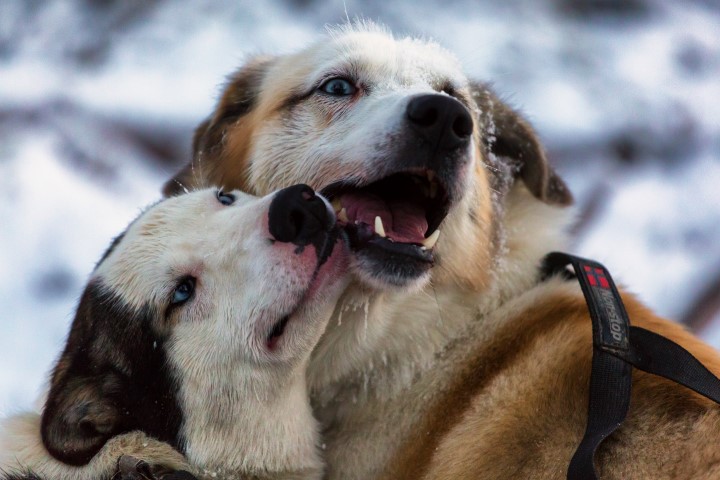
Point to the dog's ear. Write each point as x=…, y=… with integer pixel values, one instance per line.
x=80, y=414
x=113, y=377
x=79, y=418
x=511, y=138
x=238, y=99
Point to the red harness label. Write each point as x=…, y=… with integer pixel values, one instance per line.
x=605, y=300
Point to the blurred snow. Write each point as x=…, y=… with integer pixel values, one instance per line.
x=98, y=100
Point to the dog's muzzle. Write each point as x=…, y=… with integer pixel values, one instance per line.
x=392, y=221
x=298, y=216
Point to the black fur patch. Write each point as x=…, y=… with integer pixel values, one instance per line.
x=113, y=377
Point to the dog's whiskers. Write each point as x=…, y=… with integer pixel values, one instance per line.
x=197, y=173
x=347, y=17
x=490, y=167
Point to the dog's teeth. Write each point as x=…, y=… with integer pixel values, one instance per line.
x=379, y=229
x=342, y=215
x=430, y=175
x=433, y=189
x=430, y=241
x=336, y=204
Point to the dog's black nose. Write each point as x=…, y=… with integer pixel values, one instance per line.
x=299, y=216
x=441, y=119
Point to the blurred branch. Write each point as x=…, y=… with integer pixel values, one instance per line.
x=99, y=143
x=706, y=307
x=589, y=210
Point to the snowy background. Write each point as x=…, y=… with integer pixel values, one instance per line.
x=98, y=100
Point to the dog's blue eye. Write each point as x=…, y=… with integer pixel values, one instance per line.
x=225, y=198
x=184, y=291
x=338, y=87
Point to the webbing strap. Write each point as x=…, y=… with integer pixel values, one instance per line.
x=656, y=354
x=616, y=348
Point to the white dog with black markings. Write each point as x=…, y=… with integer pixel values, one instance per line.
x=192, y=336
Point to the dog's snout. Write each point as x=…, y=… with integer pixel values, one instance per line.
x=298, y=216
x=441, y=119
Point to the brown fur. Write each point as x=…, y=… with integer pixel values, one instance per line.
x=516, y=407
x=220, y=144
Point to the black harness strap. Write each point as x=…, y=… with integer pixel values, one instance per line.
x=617, y=347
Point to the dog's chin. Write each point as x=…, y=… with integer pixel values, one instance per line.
x=292, y=331
x=381, y=264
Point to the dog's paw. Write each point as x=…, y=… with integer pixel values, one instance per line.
x=131, y=468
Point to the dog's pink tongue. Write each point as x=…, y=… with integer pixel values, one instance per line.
x=403, y=221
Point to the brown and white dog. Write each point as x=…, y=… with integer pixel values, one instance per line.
x=193, y=335
x=446, y=357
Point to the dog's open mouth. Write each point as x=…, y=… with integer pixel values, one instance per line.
x=400, y=213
